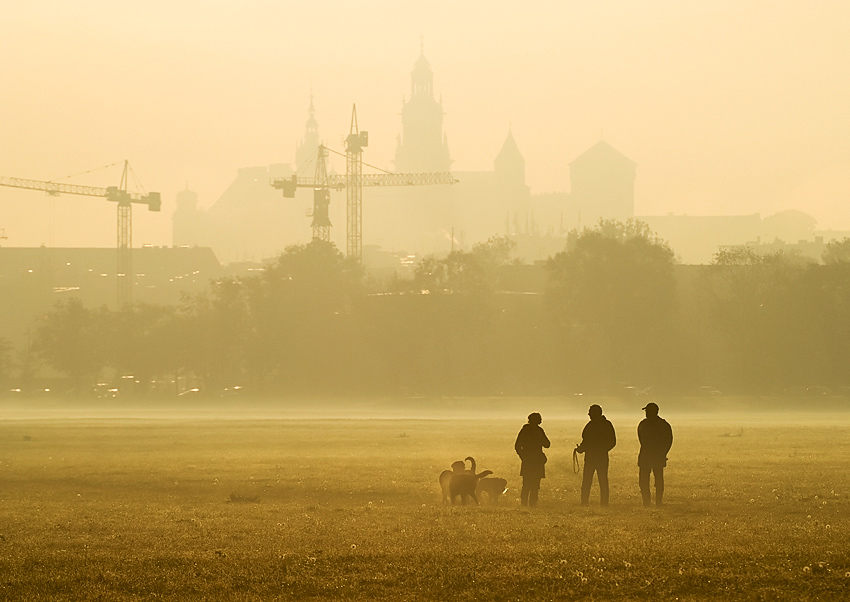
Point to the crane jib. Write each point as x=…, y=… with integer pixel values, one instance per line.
x=338, y=182
x=112, y=193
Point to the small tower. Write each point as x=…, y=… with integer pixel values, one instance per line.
x=422, y=146
x=509, y=171
x=187, y=220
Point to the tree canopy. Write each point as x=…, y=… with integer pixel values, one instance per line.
x=613, y=293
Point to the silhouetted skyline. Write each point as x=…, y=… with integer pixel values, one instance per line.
x=726, y=108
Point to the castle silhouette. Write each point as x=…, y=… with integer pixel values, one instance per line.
x=251, y=222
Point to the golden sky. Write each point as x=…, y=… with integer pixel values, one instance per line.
x=728, y=107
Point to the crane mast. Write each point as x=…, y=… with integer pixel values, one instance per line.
x=321, y=198
x=124, y=273
x=116, y=194
x=354, y=144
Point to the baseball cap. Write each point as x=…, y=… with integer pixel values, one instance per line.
x=650, y=406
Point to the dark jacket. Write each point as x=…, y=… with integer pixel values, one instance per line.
x=529, y=447
x=598, y=438
x=656, y=439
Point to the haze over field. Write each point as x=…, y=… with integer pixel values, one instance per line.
x=727, y=107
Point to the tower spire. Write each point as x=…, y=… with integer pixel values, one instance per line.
x=306, y=149
x=422, y=146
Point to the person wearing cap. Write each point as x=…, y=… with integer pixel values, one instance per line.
x=529, y=447
x=597, y=439
x=656, y=439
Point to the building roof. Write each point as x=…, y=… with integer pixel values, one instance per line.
x=422, y=63
x=510, y=151
x=602, y=152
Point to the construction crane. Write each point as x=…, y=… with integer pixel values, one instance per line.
x=321, y=198
x=353, y=182
x=116, y=194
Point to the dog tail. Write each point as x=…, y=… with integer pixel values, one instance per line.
x=472, y=462
x=484, y=474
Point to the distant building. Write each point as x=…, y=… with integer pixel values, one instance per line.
x=807, y=249
x=509, y=171
x=695, y=239
x=34, y=279
x=602, y=184
x=422, y=146
x=305, y=152
x=251, y=221
x=187, y=222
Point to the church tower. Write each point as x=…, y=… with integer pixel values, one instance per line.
x=306, y=149
x=422, y=146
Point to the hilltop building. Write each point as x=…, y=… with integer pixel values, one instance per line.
x=251, y=221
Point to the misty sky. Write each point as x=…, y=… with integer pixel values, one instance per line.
x=728, y=107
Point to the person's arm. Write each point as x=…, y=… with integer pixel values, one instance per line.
x=518, y=444
x=545, y=439
x=580, y=446
x=612, y=437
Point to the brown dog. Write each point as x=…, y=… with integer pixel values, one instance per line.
x=460, y=482
x=493, y=487
x=458, y=467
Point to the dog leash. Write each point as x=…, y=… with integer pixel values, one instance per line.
x=575, y=461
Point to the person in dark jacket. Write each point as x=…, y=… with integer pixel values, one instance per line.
x=597, y=439
x=656, y=439
x=529, y=447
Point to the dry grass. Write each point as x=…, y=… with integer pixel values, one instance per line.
x=120, y=509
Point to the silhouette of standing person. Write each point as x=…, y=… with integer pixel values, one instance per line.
x=597, y=439
x=656, y=439
x=529, y=447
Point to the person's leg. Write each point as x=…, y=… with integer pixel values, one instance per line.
x=532, y=492
x=659, y=485
x=643, y=480
x=586, y=481
x=602, y=475
x=523, y=496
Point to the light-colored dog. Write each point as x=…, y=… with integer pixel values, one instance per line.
x=493, y=487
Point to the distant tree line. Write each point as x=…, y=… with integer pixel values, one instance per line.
x=618, y=315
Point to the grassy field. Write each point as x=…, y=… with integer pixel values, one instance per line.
x=275, y=503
